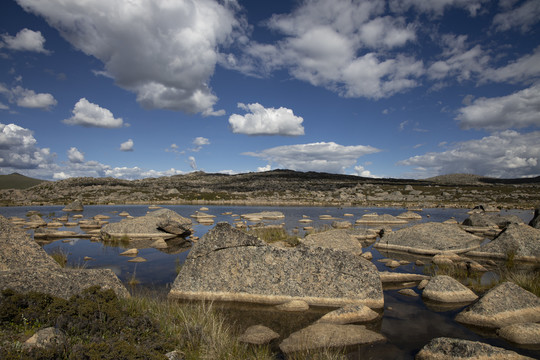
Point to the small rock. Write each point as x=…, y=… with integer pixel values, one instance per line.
x=419, y=263
x=175, y=355
x=422, y=284
x=130, y=252
x=367, y=255
x=408, y=292
x=159, y=244
x=88, y=258
x=258, y=335
x=294, y=305
x=137, y=259
x=349, y=314
x=392, y=264
x=46, y=337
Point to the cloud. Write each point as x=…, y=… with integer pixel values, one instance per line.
x=524, y=69
x=346, y=47
x=165, y=52
x=506, y=154
x=199, y=142
x=18, y=149
x=518, y=110
x=88, y=114
x=264, y=168
x=522, y=17
x=192, y=162
x=28, y=98
x=437, y=7
x=266, y=121
x=127, y=146
x=321, y=156
x=361, y=171
x=75, y=156
x=25, y=40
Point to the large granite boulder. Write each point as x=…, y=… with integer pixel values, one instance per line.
x=525, y=333
x=518, y=240
x=229, y=265
x=25, y=266
x=457, y=349
x=535, y=221
x=446, y=289
x=503, y=305
x=430, y=239
x=338, y=239
x=76, y=205
x=162, y=223
x=59, y=282
x=483, y=219
x=324, y=335
x=17, y=250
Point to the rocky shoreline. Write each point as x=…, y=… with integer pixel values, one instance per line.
x=284, y=188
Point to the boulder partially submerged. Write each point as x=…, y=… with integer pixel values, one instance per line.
x=324, y=335
x=162, y=223
x=25, y=266
x=229, y=265
x=430, y=239
x=380, y=219
x=263, y=215
x=520, y=241
x=457, y=349
x=446, y=289
x=483, y=219
x=503, y=305
x=76, y=205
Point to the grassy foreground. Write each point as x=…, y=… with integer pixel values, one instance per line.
x=98, y=325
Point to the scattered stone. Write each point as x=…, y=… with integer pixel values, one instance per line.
x=442, y=259
x=518, y=240
x=56, y=224
x=485, y=220
x=505, y=304
x=230, y=265
x=264, y=215
x=341, y=225
x=419, y=263
x=525, y=333
x=74, y=206
x=422, y=284
x=446, y=289
x=380, y=219
x=348, y=215
x=130, y=252
x=349, y=314
x=305, y=221
x=409, y=215
x=367, y=255
x=137, y=259
x=294, y=305
x=175, y=354
x=457, y=349
x=430, y=239
x=392, y=264
x=338, y=239
x=322, y=335
x=35, y=221
x=258, y=335
x=44, y=233
x=46, y=337
x=173, y=226
x=88, y=258
x=123, y=213
x=390, y=277
x=408, y=292
x=147, y=226
x=204, y=208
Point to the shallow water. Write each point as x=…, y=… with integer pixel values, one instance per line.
x=407, y=322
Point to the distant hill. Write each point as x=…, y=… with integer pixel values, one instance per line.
x=18, y=181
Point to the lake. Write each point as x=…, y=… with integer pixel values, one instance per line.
x=407, y=322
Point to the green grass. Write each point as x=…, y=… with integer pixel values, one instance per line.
x=60, y=256
x=274, y=234
x=529, y=280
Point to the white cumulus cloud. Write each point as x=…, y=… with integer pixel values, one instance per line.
x=75, y=156
x=506, y=154
x=127, y=146
x=28, y=98
x=266, y=121
x=321, y=156
x=25, y=40
x=437, y=7
x=163, y=51
x=88, y=114
x=199, y=142
x=18, y=149
x=522, y=17
x=518, y=110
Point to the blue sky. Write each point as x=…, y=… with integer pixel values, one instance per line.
x=395, y=88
